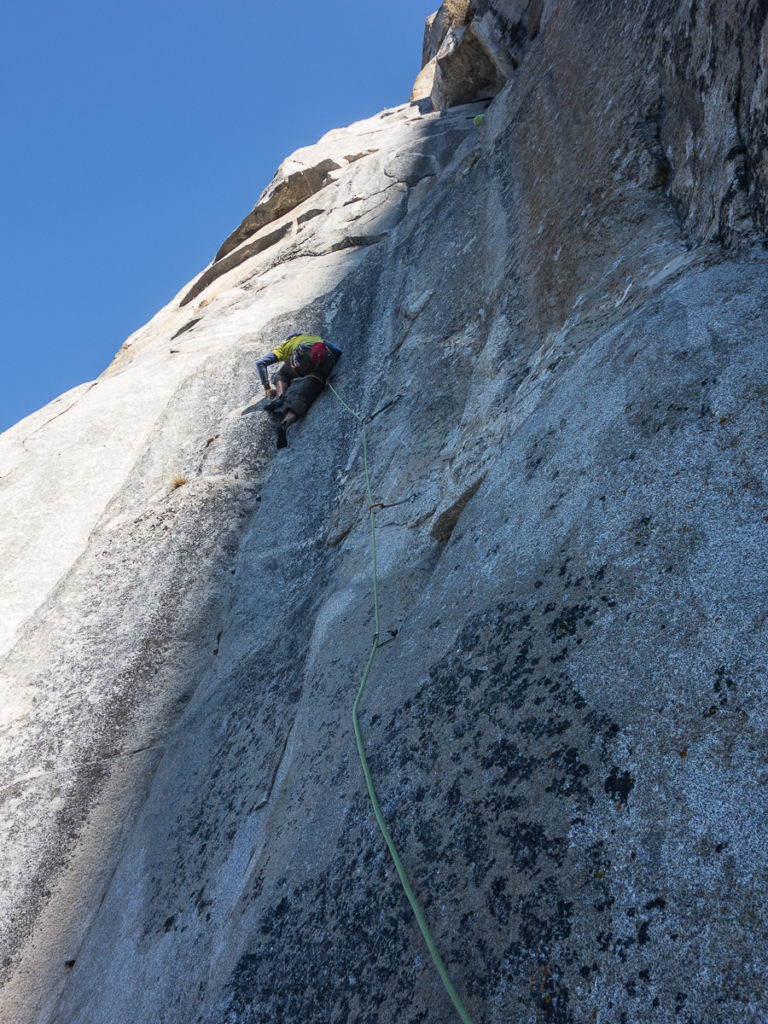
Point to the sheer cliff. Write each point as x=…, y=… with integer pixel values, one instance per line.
x=547, y=275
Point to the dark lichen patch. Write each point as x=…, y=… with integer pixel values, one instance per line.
x=723, y=687
x=481, y=774
x=566, y=622
x=551, y=996
x=619, y=785
x=499, y=902
x=657, y=904
x=538, y=453
x=515, y=764
x=331, y=948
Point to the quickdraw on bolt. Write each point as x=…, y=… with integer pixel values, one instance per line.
x=384, y=408
x=391, y=504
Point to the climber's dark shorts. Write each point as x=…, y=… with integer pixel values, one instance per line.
x=301, y=392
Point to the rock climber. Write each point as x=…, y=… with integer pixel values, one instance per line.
x=308, y=361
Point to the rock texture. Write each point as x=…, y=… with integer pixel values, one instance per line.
x=471, y=49
x=556, y=322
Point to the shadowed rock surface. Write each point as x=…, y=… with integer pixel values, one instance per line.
x=559, y=320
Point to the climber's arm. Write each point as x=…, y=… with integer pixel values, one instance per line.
x=261, y=366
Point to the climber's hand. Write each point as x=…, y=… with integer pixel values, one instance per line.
x=270, y=392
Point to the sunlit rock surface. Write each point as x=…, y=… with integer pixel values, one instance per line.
x=557, y=321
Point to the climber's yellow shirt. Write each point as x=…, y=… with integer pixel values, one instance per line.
x=283, y=352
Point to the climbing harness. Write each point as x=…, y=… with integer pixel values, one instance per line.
x=377, y=643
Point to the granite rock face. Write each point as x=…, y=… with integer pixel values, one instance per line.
x=471, y=48
x=556, y=322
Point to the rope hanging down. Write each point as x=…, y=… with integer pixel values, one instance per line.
x=415, y=905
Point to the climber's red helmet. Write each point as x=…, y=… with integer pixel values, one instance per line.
x=305, y=358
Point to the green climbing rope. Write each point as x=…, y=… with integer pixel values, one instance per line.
x=415, y=905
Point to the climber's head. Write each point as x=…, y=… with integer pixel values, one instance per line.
x=301, y=359
x=319, y=352
x=306, y=358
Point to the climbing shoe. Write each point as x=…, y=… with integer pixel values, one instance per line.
x=274, y=404
x=282, y=436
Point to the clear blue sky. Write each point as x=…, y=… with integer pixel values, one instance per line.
x=135, y=137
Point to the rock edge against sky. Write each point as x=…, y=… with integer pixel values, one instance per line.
x=557, y=318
